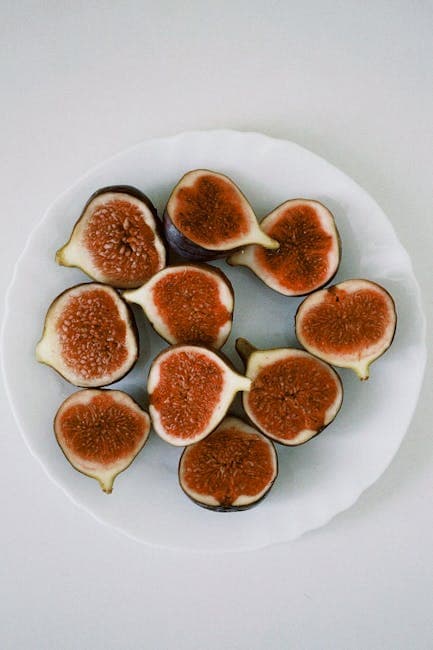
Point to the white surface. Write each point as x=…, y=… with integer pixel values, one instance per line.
x=316, y=481
x=351, y=81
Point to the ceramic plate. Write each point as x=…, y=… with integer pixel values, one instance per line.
x=316, y=480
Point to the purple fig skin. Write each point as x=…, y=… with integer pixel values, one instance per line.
x=248, y=506
x=185, y=248
x=124, y=189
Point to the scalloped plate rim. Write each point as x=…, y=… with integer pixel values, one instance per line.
x=326, y=516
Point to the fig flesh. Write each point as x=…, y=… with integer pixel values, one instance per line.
x=207, y=217
x=233, y=468
x=293, y=395
x=89, y=336
x=349, y=325
x=309, y=252
x=188, y=303
x=115, y=241
x=101, y=432
x=190, y=390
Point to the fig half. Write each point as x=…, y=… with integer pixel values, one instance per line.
x=190, y=390
x=293, y=395
x=188, y=303
x=309, y=252
x=207, y=217
x=232, y=469
x=349, y=325
x=115, y=241
x=89, y=336
x=101, y=432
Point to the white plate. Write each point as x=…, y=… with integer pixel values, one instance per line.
x=317, y=480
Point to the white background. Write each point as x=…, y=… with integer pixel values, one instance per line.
x=353, y=81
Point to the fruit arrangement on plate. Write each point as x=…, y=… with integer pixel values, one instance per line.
x=289, y=395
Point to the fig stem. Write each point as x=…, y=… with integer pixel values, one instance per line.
x=42, y=350
x=62, y=257
x=106, y=484
x=244, y=349
x=362, y=369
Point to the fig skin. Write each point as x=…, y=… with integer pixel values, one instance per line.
x=183, y=247
x=246, y=352
x=245, y=256
x=361, y=366
x=231, y=422
x=188, y=249
x=145, y=301
x=125, y=189
x=131, y=327
x=106, y=474
x=157, y=227
x=234, y=382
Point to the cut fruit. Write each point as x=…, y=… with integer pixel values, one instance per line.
x=232, y=469
x=207, y=217
x=115, y=241
x=349, y=325
x=309, y=252
x=188, y=303
x=190, y=389
x=101, y=432
x=293, y=395
x=89, y=336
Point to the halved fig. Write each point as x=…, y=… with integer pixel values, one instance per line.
x=309, y=252
x=293, y=395
x=101, y=432
x=115, y=241
x=188, y=303
x=207, y=217
x=190, y=390
x=89, y=336
x=232, y=469
x=349, y=324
